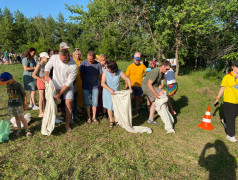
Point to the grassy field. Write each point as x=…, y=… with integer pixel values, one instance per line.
x=93, y=151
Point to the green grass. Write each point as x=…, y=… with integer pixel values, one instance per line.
x=97, y=152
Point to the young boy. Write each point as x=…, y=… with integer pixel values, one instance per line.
x=17, y=102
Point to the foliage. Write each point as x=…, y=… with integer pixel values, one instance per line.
x=17, y=33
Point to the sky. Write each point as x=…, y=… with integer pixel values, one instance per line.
x=31, y=8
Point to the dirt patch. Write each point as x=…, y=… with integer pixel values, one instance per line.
x=207, y=91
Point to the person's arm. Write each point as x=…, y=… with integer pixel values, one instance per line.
x=28, y=68
x=127, y=80
x=62, y=91
x=24, y=63
x=221, y=91
x=23, y=94
x=25, y=102
x=34, y=75
x=127, y=74
x=104, y=85
x=151, y=88
x=48, y=67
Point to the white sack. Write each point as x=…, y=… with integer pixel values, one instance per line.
x=162, y=109
x=122, y=111
x=48, y=121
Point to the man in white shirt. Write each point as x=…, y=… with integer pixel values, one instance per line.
x=64, y=74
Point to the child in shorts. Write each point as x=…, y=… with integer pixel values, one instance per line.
x=39, y=75
x=17, y=102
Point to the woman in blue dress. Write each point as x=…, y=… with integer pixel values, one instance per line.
x=111, y=83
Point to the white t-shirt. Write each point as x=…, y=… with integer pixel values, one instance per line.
x=63, y=73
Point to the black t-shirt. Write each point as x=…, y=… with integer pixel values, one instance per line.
x=16, y=94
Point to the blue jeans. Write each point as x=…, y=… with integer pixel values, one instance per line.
x=87, y=94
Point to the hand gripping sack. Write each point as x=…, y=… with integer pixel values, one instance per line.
x=4, y=130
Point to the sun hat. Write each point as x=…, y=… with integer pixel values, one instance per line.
x=44, y=54
x=64, y=45
x=5, y=77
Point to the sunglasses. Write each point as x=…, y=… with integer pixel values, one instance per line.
x=76, y=49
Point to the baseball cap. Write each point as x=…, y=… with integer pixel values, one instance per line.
x=235, y=63
x=64, y=45
x=44, y=54
x=5, y=77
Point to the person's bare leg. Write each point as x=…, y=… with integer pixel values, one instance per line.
x=88, y=113
x=169, y=103
x=109, y=112
x=110, y=115
x=18, y=122
x=24, y=122
x=41, y=102
x=148, y=104
x=30, y=98
x=152, y=110
x=33, y=93
x=68, y=109
x=94, y=109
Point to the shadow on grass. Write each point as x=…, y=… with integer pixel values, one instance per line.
x=221, y=165
x=141, y=118
x=179, y=104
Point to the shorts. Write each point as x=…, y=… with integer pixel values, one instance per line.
x=29, y=83
x=40, y=84
x=137, y=91
x=69, y=94
x=15, y=111
x=172, y=89
x=87, y=94
x=150, y=95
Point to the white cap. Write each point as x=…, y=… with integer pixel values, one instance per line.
x=64, y=45
x=44, y=54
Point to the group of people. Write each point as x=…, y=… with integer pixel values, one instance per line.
x=10, y=58
x=92, y=82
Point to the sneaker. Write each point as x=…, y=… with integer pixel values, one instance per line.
x=58, y=121
x=30, y=106
x=151, y=122
x=232, y=139
x=35, y=107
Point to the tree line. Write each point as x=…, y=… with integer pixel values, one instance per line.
x=18, y=33
x=192, y=31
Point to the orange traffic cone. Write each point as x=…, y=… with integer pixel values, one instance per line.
x=206, y=122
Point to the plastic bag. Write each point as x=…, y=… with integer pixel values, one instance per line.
x=26, y=116
x=4, y=130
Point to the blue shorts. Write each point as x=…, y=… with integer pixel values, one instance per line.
x=87, y=94
x=137, y=91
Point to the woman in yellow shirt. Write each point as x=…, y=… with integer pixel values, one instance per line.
x=229, y=87
x=78, y=102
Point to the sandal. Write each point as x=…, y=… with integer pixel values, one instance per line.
x=95, y=120
x=116, y=124
x=28, y=134
x=111, y=124
x=89, y=120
